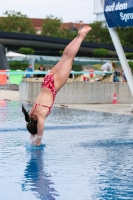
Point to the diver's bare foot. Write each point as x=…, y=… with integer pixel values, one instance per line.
x=84, y=31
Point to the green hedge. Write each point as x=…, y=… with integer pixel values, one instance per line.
x=15, y=65
x=26, y=51
x=130, y=64
x=101, y=52
x=129, y=55
x=77, y=68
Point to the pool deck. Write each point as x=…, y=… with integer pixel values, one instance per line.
x=109, y=108
x=9, y=95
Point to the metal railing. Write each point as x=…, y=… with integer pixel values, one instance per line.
x=45, y=72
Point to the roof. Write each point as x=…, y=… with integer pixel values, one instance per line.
x=37, y=23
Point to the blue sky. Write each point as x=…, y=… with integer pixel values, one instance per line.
x=68, y=10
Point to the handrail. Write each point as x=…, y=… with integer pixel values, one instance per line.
x=36, y=72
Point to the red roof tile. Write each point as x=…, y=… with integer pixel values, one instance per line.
x=37, y=23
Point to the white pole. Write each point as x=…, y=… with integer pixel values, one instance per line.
x=121, y=55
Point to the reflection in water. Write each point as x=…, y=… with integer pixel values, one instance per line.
x=3, y=111
x=2, y=103
x=36, y=178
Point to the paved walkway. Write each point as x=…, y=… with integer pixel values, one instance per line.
x=9, y=94
x=111, y=108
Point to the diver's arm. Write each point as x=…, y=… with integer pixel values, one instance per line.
x=40, y=129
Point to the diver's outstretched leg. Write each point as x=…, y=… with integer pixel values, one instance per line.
x=65, y=52
x=64, y=71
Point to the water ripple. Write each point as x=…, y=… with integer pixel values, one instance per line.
x=84, y=155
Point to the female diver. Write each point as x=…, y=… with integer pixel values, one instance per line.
x=51, y=84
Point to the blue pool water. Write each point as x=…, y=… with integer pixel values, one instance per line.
x=85, y=155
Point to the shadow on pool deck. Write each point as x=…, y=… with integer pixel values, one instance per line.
x=110, y=108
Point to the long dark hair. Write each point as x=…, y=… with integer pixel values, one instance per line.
x=31, y=123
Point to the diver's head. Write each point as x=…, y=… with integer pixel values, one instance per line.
x=31, y=122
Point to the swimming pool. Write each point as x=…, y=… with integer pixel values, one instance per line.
x=85, y=155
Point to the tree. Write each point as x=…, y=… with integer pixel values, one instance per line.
x=125, y=35
x=95, y=33
x=53, y=26
x=16, y=22
x=101, y=52
x=99, y=34
x=27, y=51
x=105, y=37
x=68, y=34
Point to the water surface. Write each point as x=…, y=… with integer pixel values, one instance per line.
x=84, y=155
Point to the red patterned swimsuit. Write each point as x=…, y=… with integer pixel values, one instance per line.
x=48, y=82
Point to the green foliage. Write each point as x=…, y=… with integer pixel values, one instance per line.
x=100, y=52
x=27, y=51
x=98, y=33
x=77, y=68
x=126, y=36
x=105, y=37
x=36, y=66
x=97, y=66
x=15, y=65
x=129, y=55
x=68, y=34
x=53, y=27
x=61, y=52
x=130, y=64
x=16, y=22
x=94, y=34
